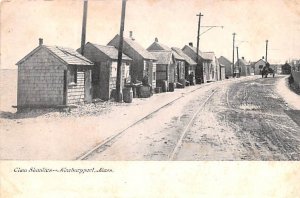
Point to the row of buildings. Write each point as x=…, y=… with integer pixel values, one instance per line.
x=52, y=76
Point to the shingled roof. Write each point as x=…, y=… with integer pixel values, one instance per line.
x=204, y=55
x=242, y=62
x=134, y=45
x=158, y=46
x=224, y=61
x=163, y=57
x=183, y=55
x=109, y=51
x=67, y=55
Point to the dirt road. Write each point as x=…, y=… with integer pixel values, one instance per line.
x=241, y=119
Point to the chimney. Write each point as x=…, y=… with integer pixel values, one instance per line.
x=40, y=41
x=243, y=58
x=131, y=35
x=262, y=57
x=156, y=39
x=191, y=44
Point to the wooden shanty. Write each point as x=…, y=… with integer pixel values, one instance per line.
x=170, y=65
x=286, y=68
x=227, y=64
x=104, y=73
x=258, y=66
x=204, y=62
x=143, y=66
x=164, y=68
x=244, y=67
x=212, y=69
x=190, y=65
x=53, y=76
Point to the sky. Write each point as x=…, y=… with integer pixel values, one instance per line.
x=173, y=22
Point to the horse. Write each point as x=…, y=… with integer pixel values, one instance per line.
x=267, y=70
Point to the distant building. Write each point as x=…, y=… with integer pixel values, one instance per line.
x=295, y=65
x=204, y=62
x=51, y=76
x=227, y=64
x=143, y=62
x=104, y=73
x=286, y=68
x=258, y=66
x=244, y=67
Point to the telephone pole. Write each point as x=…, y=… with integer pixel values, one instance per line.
x=267, y=50
x=83, y=32
x=120, y=50
x=238, y=60
x=233, y=54
x=199, y=69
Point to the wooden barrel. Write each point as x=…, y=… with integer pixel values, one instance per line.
x=127, y=95
x=145, y=92
x=164, y=87
x=171, y=87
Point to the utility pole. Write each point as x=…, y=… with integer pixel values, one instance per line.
x=83, y=32
x=238, y=60
x=120, y=51
x=267, y=50
x=233, y=54
x=199, y=69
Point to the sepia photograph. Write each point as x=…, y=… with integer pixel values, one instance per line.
x=199, y=82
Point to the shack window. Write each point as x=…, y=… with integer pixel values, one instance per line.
x=261, y=66
x=72, y=80
x=114, y=66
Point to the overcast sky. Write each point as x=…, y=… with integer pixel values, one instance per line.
x=174, y=22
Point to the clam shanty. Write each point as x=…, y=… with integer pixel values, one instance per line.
x=53, y=76
x=169, y=66
x=104, y=73
x=143, y=66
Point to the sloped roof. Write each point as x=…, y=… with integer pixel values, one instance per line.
x=109, y=51
x=183, y=55
x=163, y=57
x=177, y=56
x=134, y=45
x=205, y=56
x=158, y=46
x=242, y=62
x=67, y=55
x=224, y=61
x=260, y=60
x=209, y=55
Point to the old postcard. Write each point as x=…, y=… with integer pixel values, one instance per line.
x=132, y=98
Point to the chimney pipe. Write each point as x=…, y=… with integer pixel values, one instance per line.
x=131, y=35
x=243, y=58
x=156, y=39
x=191, y=44
x=40, y=41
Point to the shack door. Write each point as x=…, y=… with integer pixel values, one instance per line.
x=88, y=86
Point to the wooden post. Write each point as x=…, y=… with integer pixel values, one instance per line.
x=199, y=69
x=83, y=32
x=267, y=50
x=120, y=50
x=233, y=67
x=238, y=61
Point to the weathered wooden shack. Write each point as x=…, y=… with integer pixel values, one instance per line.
x=175, y=70
x=227, y=64
x=164, y=68
x=143, y=64
x=258, y=66
x=286, y=68
x=244, y=66
x=212, y=68
x=104, y=73
x=190, y=64
x=204, y=62
x=52, y=76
